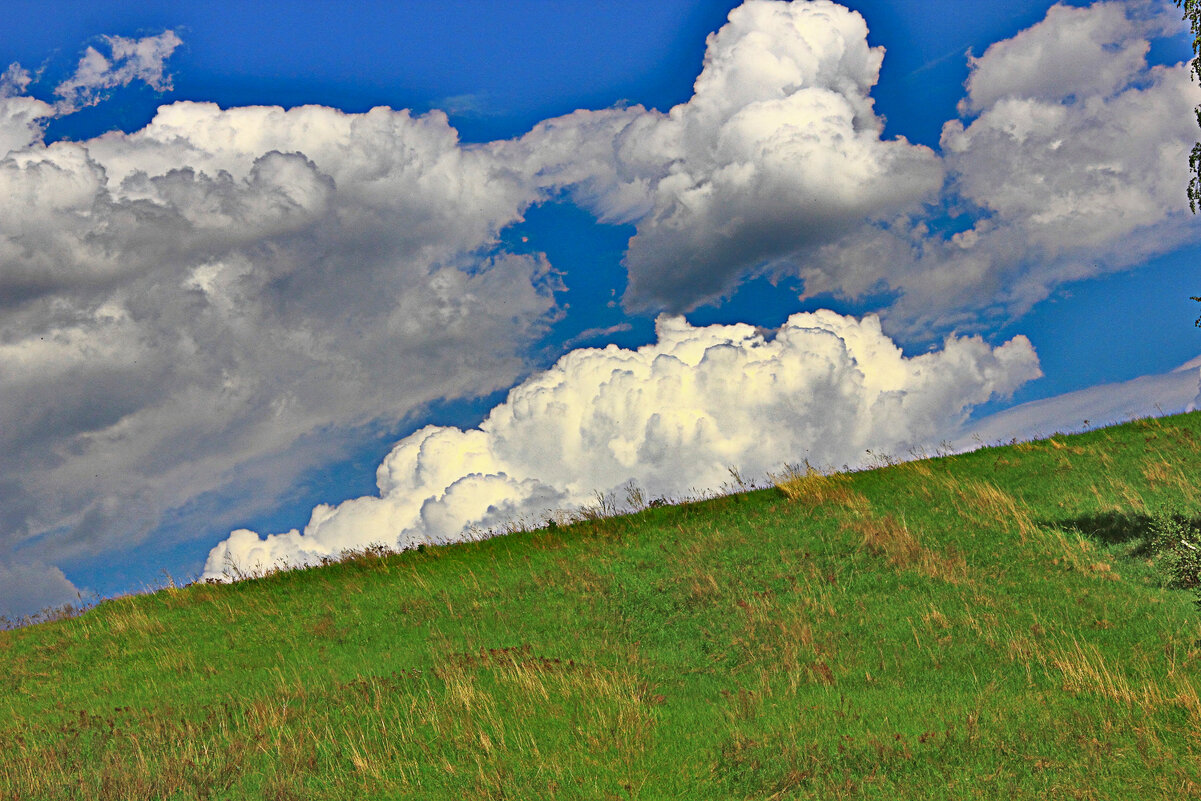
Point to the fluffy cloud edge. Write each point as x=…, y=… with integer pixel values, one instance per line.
x=669, y=416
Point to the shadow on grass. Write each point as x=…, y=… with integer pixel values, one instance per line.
x=1111, y=528
x=1134, y=529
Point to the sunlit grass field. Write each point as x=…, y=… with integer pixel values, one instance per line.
x=988, y=625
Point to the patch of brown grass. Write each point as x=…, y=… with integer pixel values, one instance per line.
x=128, y=616
x=574, y=575
x=920, y=467
x=1084, y=670
x=808, y=485
x=1158, y=472
x=1117, y=497
x=987, y=504
x=891, y=539
x=1161, y=473
x=1059, y=445
x=779, y=631
x=702, y=587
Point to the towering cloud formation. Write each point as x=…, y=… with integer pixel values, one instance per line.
x=779, y=150
x=1080, y=52
x=232, y=290
x=777, y=164
x=19, y=121
x=668, y=417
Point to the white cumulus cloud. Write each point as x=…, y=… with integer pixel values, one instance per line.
x=240, y=286
x=233, y=287
x=1064, y=174
x=778, y=149
x=14, y=81
x=1073, y=51
x=669, y=416
x=20, y=118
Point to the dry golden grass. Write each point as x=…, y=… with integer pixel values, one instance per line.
x=1071, y=551
x=1159, y=472
x=1083, y=670
x=893, y=540
x=781, y=633
x=808, y=485
x=702, y=586
x=988, y=505
x=572, y=574
x=125, y=616
x=1060, y=445
x=1117, y=496
x=917, y=467
x=488, y=711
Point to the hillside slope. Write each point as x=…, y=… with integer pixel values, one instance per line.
x=979, y=626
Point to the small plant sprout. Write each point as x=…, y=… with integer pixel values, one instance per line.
x=635, y=497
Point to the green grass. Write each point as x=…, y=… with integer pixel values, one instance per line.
x=986, y=626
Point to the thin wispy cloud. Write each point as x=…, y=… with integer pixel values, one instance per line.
x=128, y=60
x=1146, y=396
x=14, y=81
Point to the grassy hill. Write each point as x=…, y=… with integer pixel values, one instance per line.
x=989, y=625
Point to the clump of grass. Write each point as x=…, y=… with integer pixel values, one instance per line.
x=893, y=540
x=373, y=556
x=809, y=485
x=49, y=615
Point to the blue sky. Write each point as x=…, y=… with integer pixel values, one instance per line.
x=122, y=477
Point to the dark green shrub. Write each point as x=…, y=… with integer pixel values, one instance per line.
x=1175, y=541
